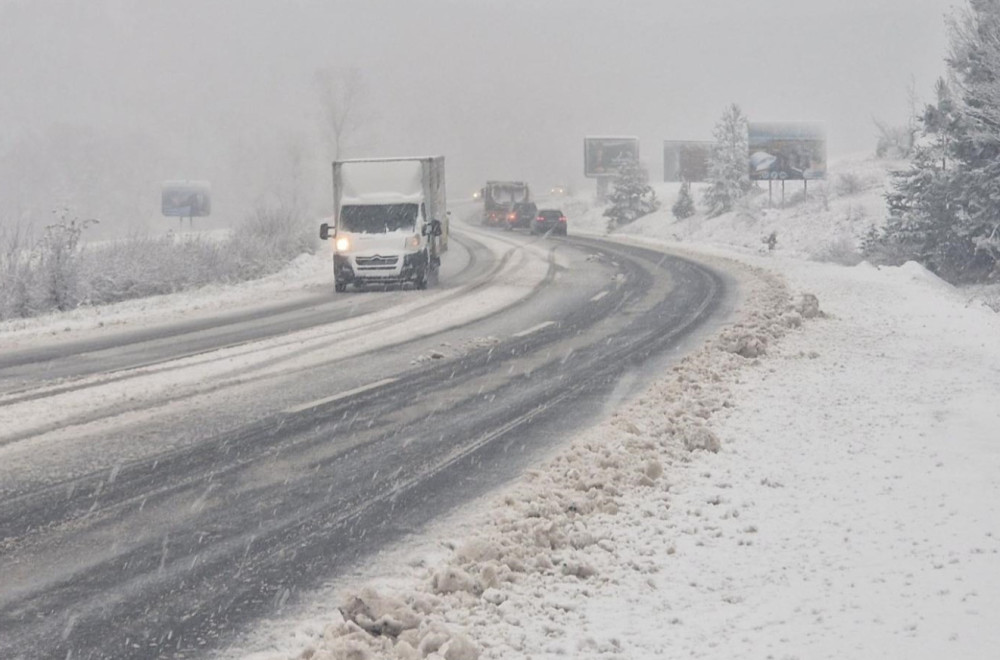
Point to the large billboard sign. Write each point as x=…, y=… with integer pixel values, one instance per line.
x=186, y=199
x=686, y=160
x=787, y=150
x=602, y=154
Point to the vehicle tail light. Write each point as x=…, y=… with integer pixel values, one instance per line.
x=562, y=218
x=512, y=216
x=540, y=218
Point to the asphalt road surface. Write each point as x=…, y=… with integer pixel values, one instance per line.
x=163, y=490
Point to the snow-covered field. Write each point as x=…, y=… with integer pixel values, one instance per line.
x=804, y=485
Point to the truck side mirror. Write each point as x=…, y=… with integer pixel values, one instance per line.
x=436, y=228
x=425, y=230
x=324, y=231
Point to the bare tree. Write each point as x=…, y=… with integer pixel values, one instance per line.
x=343, y=99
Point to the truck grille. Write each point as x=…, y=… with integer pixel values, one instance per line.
x=377, y=262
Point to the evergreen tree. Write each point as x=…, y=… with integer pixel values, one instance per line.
x=684, y=206
x=631, y=197
x=728, y=167
x=945, y=209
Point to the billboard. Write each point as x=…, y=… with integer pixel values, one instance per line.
x=186, y=199
x=686, y=160
x=787, y=150
x=600, y=154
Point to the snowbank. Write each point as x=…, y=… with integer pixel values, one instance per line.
x=307, y=273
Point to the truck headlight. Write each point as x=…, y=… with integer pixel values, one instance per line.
x=343, y=244
x=413, y=242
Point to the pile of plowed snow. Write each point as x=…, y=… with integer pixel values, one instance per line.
x=572, y=529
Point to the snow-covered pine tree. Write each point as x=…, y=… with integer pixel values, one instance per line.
x=631, y=196
x=728, y=168
x=922, y=212
x=684, y=206
x=945, y=209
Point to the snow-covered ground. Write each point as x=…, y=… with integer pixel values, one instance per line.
x=804, y=485
x=813, y=482
x=306, y=274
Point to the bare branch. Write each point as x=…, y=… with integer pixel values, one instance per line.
x=342, y=97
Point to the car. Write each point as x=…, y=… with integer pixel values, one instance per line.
x=550, y=220
x=522, y=214
x=559, y=191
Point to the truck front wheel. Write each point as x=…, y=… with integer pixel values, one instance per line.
x=340, y=287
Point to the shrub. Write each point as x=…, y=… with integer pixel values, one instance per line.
x=849, y=184
x=771, y=241
x=57, y=273
x=986, y=294
x=141, y=266
x=895, y=141
x=842, y=250
x=684, y=206
x=59, y=262
x=16, y=272
x=632, y=197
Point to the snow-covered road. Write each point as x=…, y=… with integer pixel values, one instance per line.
x=833, y=492
x=162, y=506
x=801, y=486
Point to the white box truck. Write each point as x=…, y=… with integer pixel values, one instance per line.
x=390, y=221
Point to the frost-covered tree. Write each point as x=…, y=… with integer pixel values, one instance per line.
x=945, y=209
x=631, y=196
x=728, y=169
x=898, y=141
x=684, y=206
x=894, y=141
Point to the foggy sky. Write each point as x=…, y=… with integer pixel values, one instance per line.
x=127, y=93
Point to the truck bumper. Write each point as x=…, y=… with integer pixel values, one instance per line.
x=379, y=269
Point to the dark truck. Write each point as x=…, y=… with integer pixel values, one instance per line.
x=499, y=198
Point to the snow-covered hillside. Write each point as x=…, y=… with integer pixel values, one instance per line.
x=824, y=221
x=820, y=480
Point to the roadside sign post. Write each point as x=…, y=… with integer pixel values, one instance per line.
x=686, y=160
x=786, y=150
x=186, y=199
x=601, y=155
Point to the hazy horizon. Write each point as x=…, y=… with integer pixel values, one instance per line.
x=112, y=97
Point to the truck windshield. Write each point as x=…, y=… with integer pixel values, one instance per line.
x=378, y=218
x=507, y=194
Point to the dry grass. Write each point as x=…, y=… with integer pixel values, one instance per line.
x=46, y=275
x=842, y=250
